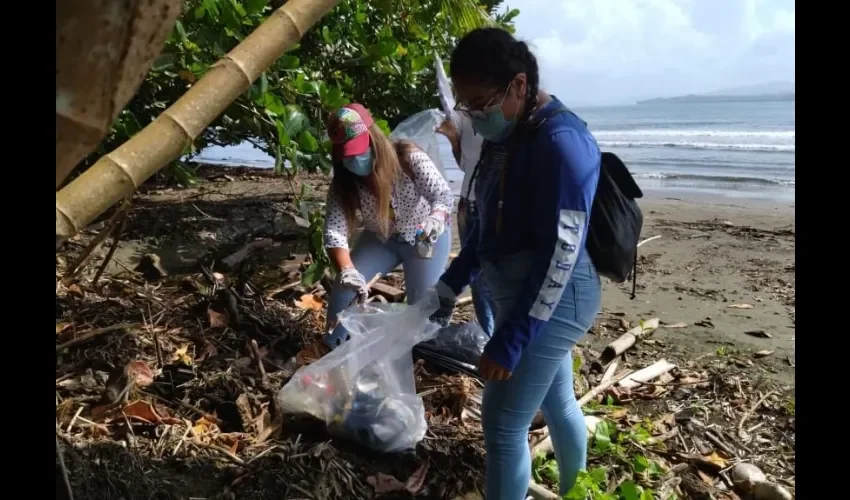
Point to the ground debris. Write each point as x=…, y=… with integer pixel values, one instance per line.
x=195, y=359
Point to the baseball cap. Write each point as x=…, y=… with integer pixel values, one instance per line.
x=348, y=130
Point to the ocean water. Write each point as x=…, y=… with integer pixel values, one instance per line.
x=730, y=149
x=725, y=149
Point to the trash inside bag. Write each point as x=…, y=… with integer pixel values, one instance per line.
x=364, y=390
x=421, y=130
x=456, y=348
x=463, y=342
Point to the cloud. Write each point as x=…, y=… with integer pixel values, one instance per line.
x=616, y=50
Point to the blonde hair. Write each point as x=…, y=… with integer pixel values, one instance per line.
x=390, y=161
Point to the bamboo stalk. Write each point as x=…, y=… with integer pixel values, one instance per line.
x=119, y=173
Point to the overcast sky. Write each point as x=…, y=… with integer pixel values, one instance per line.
x=614, y=51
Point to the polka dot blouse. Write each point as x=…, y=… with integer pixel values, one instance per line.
x=413, y=200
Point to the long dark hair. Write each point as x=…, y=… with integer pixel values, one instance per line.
x=492, y=56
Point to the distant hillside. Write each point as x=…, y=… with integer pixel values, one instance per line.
x=772, y=88
x=774, y=91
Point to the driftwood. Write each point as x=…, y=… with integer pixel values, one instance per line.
x=627, y=340
x=538, y=492
x=648, y=240
x=392, y=293
x=652, y=371
x=233, y=260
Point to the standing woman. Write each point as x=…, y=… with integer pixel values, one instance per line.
x=402, y=200
x=534, y=189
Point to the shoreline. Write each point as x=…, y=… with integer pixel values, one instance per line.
x=768, y=200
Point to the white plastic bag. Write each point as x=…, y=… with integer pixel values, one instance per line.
x=364, y=390
x=447, y=99
x=421, y=130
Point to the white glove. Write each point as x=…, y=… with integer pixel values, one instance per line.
x=352, y=279
x=431, y=228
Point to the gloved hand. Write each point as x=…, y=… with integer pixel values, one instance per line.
x=352, y=279
x=433, y=226
x=448, y=300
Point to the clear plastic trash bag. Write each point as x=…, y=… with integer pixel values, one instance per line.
x=364, y=390
x=421, y=130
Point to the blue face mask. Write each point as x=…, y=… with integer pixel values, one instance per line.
x=494, y=128
x=360, y=165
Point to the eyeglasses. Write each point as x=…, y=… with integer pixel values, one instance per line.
x=483, y=111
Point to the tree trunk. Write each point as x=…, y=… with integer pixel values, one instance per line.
x=118, y=174
x=104, y=49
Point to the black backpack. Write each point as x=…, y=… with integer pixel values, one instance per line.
x=615, y=222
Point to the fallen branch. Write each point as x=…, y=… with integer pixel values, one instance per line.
x=602, y=387
x=749, y=413
x=627, y=340
x=538, y=492
x=111, y=224
x=648, y=240
x=94, y=333
x=609, y=372
x=652, y=371
x=715, y=439
x=115, y=240
x=233, y=260
x=63, y=471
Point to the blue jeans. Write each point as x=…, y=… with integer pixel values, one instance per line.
x=542, y=379
x=480, y=296
x=371, y=256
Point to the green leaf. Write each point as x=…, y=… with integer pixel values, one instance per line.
x=313, y=273
x=602, y=437
x=384, y=48
x=332, y=97
x=383, y=125
x=289, y=62
x=238, y=9
x=279, y=165
x=273, y=104
x=254, y=6
x=327, y=36
x=282, y=137
x=307, y=142
x=263, y=84
x=630, y=491
x=419, y=63
x=640, y=463
x=181, y=31
x=211, y=8
x=599, y=475
x=294, y=120
x=325, y=164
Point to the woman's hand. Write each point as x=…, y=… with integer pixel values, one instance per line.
x=352, y=279
x=490, y=370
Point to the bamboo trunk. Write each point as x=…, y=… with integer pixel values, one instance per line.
x=119, y=173
x=104, y=49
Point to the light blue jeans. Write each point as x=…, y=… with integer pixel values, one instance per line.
x=371, y=256
x=478, y=290
x=542, y=379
